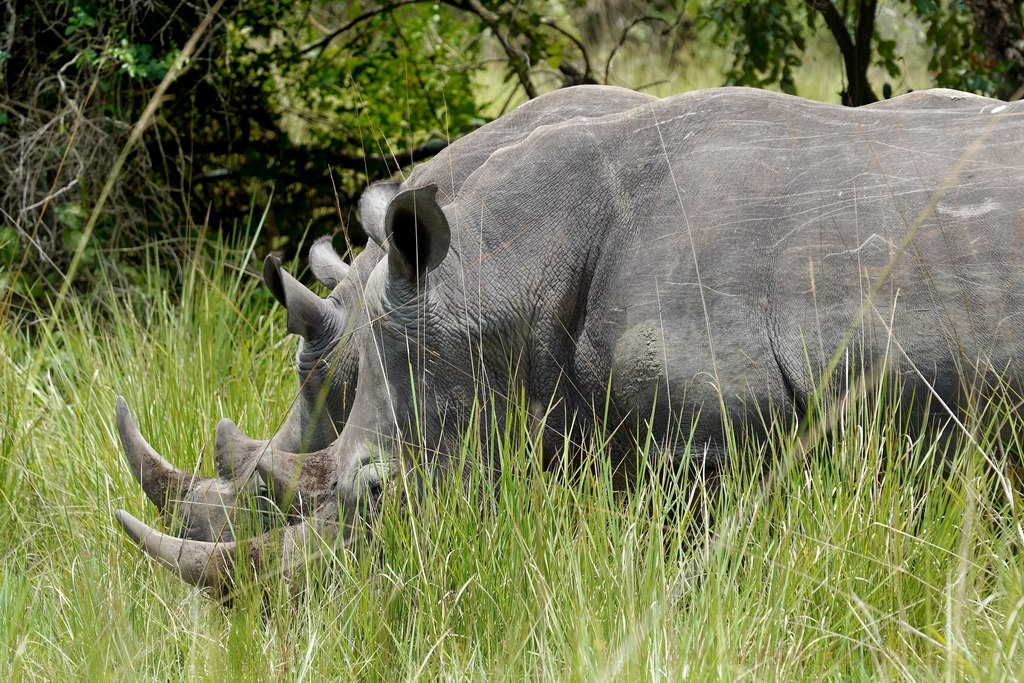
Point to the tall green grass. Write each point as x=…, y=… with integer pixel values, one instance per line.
x=858, y=556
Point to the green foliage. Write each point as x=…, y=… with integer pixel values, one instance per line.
x=767, y=40
x=306, y=102
x=256, y=113
x=956, y=60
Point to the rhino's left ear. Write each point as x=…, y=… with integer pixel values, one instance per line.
x=373, y=209
x=418, y=232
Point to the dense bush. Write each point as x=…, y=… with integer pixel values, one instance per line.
x=288, y=109
x=265, y=106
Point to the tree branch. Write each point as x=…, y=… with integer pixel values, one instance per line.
x=856, y=55
x=577, y=78
x=366, y=16
x=836, y=26
x=865, y=33
x=517, y=59
x=625, y=35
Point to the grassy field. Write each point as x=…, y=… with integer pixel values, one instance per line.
x=855, y=559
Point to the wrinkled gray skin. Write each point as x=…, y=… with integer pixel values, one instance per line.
x=296, y=467
x=710, y=253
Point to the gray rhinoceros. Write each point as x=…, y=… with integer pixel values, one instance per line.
x=684, y=266
x=295, y=462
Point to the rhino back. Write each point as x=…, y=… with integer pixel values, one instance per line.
x=714, y=250
x=453, y=165
x=937, y=98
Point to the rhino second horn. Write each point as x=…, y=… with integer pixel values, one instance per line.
x=307, y=313
x=298, y=480
x=235, y=454
x=325, y=263
x=163, y=483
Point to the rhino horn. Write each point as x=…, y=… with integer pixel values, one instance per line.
x=298, y=480
x=200, y=563
x=235, y=453
x=213, y=564
x=325, y=263
x=163, y=483
x=308, y=314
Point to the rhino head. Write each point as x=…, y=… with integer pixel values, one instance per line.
x=396, y=354
x=294, y=468
x=341, y=482
x=326, y=365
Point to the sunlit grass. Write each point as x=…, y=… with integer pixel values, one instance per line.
x=855, y=557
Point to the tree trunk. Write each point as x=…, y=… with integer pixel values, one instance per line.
x=1000, y=28
x=855, y=49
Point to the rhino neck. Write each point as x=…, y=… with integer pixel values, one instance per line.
x=326, y=368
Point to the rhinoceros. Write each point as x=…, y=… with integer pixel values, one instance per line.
x=294, y=462
x=684, y=268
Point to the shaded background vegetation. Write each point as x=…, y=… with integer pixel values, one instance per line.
x=287, y=110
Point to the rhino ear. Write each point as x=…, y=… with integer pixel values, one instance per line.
x=418, y=232
x=373, y=208
x=325, y=263
x=306, y=310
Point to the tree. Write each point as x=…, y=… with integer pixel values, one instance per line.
x=999, y=26
x=302, y=102
x=296, y=106
x=976, y=46
x=261, y=110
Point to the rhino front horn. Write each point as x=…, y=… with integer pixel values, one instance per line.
x=200, y=563
x=163, y=483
